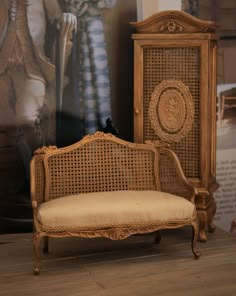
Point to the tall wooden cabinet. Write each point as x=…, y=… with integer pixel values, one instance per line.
x=175, y=97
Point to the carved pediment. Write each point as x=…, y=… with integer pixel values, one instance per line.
x=173, y=21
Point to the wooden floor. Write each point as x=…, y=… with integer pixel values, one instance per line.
x=134, y=266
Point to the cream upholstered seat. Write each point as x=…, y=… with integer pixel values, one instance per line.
x=103, y=186
x=114, y=209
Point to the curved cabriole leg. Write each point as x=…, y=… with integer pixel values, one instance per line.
x=45, y=245
x=202, y=215
x=195, y=231
x=157, y=237
x=211, y=210
x=37, y=239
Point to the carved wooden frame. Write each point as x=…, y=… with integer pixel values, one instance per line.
x=177, y=29
x=40, y=195
x=171, y=110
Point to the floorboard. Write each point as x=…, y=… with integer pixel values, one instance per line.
x=135, y=266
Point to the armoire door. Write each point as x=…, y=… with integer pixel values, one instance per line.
x=175, y=96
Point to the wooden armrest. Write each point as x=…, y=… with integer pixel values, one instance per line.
x=37, y=180
x=172, y=177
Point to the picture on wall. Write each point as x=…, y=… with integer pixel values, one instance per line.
x=54, y=84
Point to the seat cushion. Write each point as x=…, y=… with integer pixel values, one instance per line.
x=114, y=209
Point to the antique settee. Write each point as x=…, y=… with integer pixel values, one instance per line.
x=103, y=186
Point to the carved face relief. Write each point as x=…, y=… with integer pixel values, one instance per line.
x=171, y=110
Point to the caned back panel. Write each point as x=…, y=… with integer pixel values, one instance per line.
x=178, y=63
x=98, y=166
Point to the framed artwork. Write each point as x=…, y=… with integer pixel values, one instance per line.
x=61, y=77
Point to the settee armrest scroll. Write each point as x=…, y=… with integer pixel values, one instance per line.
x=172, y=177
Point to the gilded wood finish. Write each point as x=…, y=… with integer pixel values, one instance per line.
x=172, y=48
x=108, y=153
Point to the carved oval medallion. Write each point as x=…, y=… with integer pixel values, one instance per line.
x=171, y=110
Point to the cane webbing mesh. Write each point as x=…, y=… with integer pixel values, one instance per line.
x=98, y=166
x=170, y=178
x=175, y=63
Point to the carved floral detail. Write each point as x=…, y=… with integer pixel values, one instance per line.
x=44, y=149
x=98, y=134
x=115, y=233
x=172, y=27
x=171, y=111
